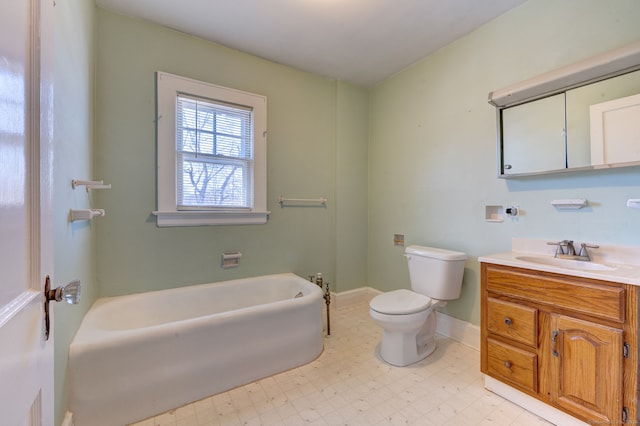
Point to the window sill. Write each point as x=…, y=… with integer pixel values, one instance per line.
x=209, y=218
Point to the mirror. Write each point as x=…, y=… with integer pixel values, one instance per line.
x=585, y=100
x=533, y=137
x=591, y=126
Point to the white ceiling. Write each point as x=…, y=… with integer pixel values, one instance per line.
x=359, y=41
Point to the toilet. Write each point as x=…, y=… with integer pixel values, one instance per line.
x=407, y=317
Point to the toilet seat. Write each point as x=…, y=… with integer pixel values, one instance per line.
x=400, y=302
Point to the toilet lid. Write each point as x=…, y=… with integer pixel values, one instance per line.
x=400, y=302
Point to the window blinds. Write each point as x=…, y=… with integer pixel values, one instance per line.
x=214, y=147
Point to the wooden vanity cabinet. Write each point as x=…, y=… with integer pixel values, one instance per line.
x=570, y=342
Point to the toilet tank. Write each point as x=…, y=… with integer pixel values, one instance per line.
x=434, y=272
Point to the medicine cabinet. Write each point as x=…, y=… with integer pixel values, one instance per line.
x=581, y=117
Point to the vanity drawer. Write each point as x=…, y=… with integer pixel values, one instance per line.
x=513, y=321
x=587, y=296
x=514, y=365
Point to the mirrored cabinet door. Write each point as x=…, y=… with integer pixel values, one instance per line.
x=597, y=97
x=583, y=116
x=533, y=136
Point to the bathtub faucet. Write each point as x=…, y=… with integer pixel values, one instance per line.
x=327, y=295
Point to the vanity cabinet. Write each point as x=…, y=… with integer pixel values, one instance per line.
x=570, y=342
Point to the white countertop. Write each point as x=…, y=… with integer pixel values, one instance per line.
x=624, y=260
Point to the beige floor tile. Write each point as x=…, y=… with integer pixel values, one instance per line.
x=350, y=385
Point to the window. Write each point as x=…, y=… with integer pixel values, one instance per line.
x=214, y=144
x=211, y=154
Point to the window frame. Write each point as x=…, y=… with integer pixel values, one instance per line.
x=168, y=86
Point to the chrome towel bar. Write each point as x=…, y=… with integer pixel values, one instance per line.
x=321, y=201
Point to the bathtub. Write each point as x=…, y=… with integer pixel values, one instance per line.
x=139, y=355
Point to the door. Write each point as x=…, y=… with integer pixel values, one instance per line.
x=588, y=369
x=26, y=358
x=615, y=131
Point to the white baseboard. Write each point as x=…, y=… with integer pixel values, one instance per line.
x=464, y=332
x=531, y=404
x=68, y=419
x=461, y=331
x=348, y=298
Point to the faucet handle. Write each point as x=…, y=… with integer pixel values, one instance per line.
x=585, y=245
x=583, y=249
x=560, y=245
x=565, y=247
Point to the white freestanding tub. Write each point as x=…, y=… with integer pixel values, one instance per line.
x=139, y=355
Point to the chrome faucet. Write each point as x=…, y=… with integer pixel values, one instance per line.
x=566, y=250
x=570, y=249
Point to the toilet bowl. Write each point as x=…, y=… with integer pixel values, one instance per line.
x=407, y=317
x=408, y=325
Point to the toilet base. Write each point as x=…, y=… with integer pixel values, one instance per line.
x=402, y=348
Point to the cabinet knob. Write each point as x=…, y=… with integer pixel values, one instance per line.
x=507, y=364
x=508, y=321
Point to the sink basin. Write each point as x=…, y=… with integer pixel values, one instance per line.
x=578, y=265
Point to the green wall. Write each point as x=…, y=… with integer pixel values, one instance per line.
x=351, y=187
x=432, y=150
x=413, y=155
x=312, y=124
x=74, y=244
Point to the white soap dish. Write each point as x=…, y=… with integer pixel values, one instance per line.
x=569, y=203
x=633, y=203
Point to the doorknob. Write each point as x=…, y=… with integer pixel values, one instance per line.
x=70, y=293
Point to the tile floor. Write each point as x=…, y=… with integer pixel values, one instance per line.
x=350, y=385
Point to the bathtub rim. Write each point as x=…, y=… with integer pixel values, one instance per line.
x=90, y=334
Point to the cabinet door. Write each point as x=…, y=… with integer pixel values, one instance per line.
x=533, y=136
x=587, y=369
